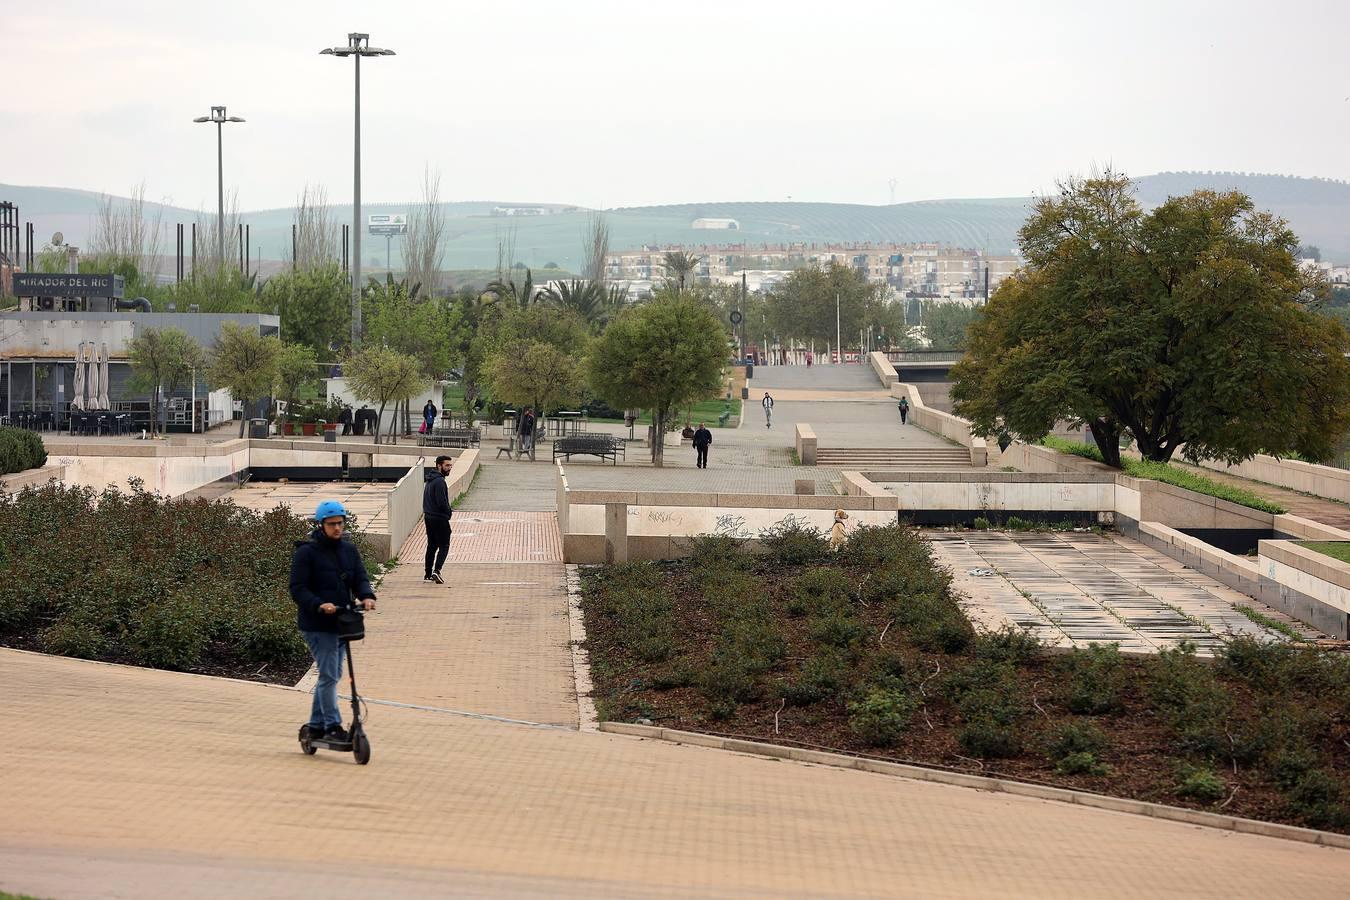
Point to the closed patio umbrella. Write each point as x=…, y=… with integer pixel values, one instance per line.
x=91, y=354
x=77, y=401
x=103, y=401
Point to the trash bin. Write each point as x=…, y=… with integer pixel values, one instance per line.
x=749, y=370
x=258, y=428
x=745, y=393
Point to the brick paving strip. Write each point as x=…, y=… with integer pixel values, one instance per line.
x=202, y=776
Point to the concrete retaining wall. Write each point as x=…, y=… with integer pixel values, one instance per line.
x=1311, y=586
x=1320, y=481
x=405, y=507
x=804, y=440
x=17, y=481
x=884, y=368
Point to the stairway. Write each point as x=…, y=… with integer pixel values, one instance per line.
x=908, y=459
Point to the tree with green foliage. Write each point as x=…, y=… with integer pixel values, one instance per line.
x=945, y=324
x=593, y=302
x=244, y=362
x=802, y=306
x=399, y=316
x=162, y=357
x=471, y=319
x=297, y=368
x=383, y=376
x=539, y=375
x=522, y=294
x=314, y=305
x=657, y=356
x=1186, y=326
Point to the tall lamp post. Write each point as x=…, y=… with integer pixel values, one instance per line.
x=358, y=45
x=218, y=118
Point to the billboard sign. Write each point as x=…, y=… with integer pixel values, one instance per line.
x=44, y=284
x=387, y=224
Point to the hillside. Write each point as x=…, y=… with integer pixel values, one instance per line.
x=1318, y=209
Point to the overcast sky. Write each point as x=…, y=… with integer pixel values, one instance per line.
x=612, y=104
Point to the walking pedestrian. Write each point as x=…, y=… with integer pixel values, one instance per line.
x=904, y=409
x=428, y=417
x=527, y=433
x=767, y=403
x=436, y=513
x=327, y=575
x=702, y=440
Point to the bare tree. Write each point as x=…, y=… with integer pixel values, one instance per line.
x=207, y=243
x=506, y=253
x=125, y=231
x=422, y=250
x=316, y=231
x=595, y=247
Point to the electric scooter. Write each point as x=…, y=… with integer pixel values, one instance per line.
x=351, y=627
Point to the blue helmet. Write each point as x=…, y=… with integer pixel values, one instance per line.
x=330, y=508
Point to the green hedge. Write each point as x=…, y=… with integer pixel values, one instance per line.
x=1169, y=474
x=19, y=450
x=140, y=579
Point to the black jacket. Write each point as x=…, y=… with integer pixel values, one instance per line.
x=527, y=424
x=702, y=437
x=436, y=498
x=326, y=571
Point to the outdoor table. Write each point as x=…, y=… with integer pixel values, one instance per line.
x=569, y=422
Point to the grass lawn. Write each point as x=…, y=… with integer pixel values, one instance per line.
x=1155, y=471
x=1335, y=549
x=867, y=652
x=706, y=411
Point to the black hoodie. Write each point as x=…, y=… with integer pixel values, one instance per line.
x=325, y=571
x=436, y=498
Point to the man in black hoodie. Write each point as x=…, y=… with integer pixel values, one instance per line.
x=436, y=512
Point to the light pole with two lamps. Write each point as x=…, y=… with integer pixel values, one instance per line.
x=358, y=45
x=218, y=118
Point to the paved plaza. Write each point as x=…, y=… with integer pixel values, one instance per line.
x=1074, y=589
x=133, y=782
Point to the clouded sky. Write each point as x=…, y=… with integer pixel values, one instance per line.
x=625, y=103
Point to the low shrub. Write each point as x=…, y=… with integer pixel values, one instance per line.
x=821, y=591
x=1092, y=681
x=882, y=715
x=839, y=629
x=872, y=546
x=981, y=523
x=1010, y=644
x=821, y=676
x=1318, y=798
x=1081, y=762
x=1075, y=737
x=990, y=722
x=714, y=549
x=1017, y=523
x=1200, y=783
x=794, y=542
x=20, y=450
x=1191, y=700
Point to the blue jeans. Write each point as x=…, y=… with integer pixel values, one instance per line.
x=328, y=653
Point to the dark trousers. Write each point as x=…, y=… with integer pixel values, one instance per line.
x=438, y=544
x=904, y=414
x=702, y=457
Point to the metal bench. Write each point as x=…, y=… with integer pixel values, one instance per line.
x=462, y=438
x=605, y=446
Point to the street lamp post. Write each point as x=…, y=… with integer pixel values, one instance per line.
x=358, y=45
x=218, y=118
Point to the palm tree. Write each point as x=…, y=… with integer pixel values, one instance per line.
x=680, y=266
x=588, y=299
x=522, y=295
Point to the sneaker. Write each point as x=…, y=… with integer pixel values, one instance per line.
x=309, y=732
x=436, y=577
x=428, y=578
x=336, y=733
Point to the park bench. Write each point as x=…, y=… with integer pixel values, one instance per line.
x=605, y=446
x=451, y=437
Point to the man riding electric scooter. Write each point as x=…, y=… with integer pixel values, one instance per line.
x=328, y=579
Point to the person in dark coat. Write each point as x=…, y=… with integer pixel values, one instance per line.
x=702, y=440
x=327, y=575
x=436, y=513
x=428, y=418
x=527, y=433
x=904, y=409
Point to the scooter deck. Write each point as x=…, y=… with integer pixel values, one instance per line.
x=339, y=746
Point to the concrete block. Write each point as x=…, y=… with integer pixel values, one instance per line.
x=757, y=501
x=597, y=498
x=803, y=486
x=829, y=501
x=675, y=498
x=616, y=532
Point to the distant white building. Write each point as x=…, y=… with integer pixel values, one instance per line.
x=716, y=225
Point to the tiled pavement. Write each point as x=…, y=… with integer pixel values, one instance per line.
x=369, y=501
x=194, y=787
x=1086, y=588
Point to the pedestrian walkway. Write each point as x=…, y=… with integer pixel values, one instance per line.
x=1318, y=509
x=199, y=790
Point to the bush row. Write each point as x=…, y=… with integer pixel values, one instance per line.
x=20, y=449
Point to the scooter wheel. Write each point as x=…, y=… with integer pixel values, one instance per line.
x=309, y=748
x=361, y=749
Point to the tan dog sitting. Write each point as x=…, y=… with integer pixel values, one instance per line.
x=837, y=536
